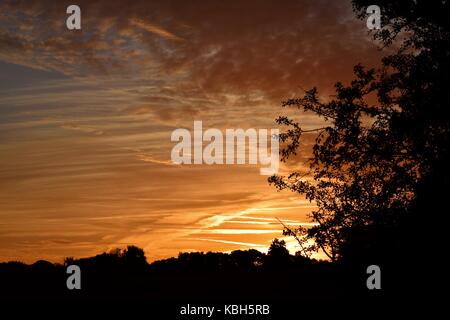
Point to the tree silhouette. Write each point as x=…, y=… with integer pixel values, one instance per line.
x=277, y=255
x=246, y=260
x=385, y=134
x=278, y=248
x=134, y=257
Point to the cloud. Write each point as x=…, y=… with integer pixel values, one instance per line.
x=245, y=244
x=255, y=50
x=148, y=158
x=82, y=128
x=167, y=113
x=147, y=26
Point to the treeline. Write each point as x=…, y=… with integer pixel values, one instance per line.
x=132, y=259
x=126, y=274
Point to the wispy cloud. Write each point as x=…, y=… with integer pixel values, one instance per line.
x=152, y=28
x=82, y=128
x=237, y=243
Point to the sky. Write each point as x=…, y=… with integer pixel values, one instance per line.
x=86, y=118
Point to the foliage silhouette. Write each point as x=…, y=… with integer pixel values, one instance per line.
x=385, y=137
x=116, y=274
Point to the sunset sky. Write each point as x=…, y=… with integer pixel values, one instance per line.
x=86, y=118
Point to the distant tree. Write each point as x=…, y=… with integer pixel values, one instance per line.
x=384, y=134
x=246, y=260
x=278, y=254
x=68, y=261
x=134, y=257
x=116, y=252
x=278, y=248
x=43, y=266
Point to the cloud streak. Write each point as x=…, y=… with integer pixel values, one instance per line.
x=149, y=27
